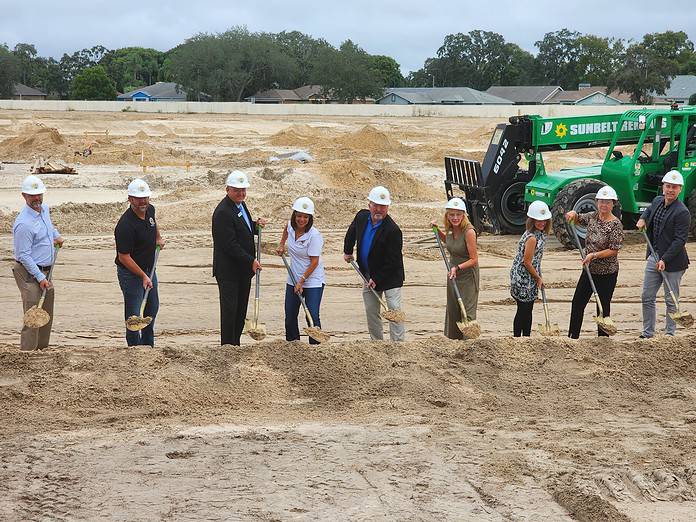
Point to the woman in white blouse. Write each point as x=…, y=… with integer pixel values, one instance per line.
x=304, y=243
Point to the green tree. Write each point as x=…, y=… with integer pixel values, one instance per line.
x=598, y=58
x=9, y=72
x=347, y=75
x=133, y=67
x=93, y=84
x=558, y=58
x=386, y=69
x=302, y=50
x=26, y=59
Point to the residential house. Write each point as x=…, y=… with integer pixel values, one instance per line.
x=23, y=92
x=590, y=95
x=683, y=86
x=160, y=91
x=304, y=94
x=439, y=96
x=525, y=94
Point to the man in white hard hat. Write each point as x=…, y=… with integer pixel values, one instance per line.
x=379, y=244
x=137, y=236
x=234, y=256
x=667, y=220
x=34, y=238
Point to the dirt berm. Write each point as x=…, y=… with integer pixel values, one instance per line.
x=489, y=429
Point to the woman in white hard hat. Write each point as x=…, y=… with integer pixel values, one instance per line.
x=459, y=237
x=525, y=274
x=304, y=244
x=603, y=241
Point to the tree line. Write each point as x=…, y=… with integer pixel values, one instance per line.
x=237, y=63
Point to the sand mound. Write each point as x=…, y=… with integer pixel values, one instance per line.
x=33, y=140
x=142, y=136
x=296, y=135
x=369, y=139
x=347, y=173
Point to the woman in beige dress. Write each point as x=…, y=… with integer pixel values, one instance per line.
x=459, y=237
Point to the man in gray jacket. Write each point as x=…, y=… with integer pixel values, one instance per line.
x=667, y=220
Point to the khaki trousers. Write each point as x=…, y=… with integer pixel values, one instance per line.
x=397, y=331
x=29, y=289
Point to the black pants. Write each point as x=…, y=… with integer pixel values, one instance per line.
x=234, y=299
x=522, y=324
x=583, y=292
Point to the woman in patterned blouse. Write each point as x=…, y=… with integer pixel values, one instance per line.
x=602, y=244
x=525, y=274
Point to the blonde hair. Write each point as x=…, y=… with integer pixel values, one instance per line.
x=462, y=226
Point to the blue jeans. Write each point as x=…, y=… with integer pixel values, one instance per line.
x=133, y=293
x=312, y=298
x=652, y=281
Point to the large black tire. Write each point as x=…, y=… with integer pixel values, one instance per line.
x=578, y=195
x=508, y=203
x=691, y=203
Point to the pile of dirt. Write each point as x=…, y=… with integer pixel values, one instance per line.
x=142, y=136
x=348, y=173
x=297, y=135
x=370, y=140
x=33, y=140
x=87, y=218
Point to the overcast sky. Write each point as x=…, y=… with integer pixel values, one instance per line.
x=410, y=31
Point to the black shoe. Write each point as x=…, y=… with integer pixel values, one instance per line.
x=641, y=336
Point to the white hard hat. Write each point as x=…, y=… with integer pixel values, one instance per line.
x=32, y=185
x=606, y=192
x=138, y=188
x=538, y=210
x=237, y=179
x=456, y=204
x=674, y=177
x=379, y=195
x=304, y=205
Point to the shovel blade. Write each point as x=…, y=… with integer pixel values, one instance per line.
x=684, y=319
x=550, y=330
x=469, y=329
x=257, y=332
x=606, y=324
x=317, y=334
x=136, y=323
x=36, y=317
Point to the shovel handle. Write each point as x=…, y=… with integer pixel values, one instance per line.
x=151, y=275
x=587, y=268
x=302, y=300
x=546, y=307
x=457, y=293
x=367, y=283
x=49, y=276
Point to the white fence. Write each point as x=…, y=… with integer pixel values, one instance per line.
x=364, y=110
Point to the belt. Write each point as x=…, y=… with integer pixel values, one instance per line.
x=42, y=268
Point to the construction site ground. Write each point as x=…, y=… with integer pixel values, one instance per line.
x=431, y=429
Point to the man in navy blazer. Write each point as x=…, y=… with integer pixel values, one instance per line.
x=234, y=256
x=379, y=244
x=667, y=220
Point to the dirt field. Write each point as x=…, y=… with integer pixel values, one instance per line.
x=431, y=429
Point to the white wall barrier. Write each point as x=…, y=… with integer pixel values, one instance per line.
x=358, y=110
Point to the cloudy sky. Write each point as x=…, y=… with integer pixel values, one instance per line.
x=410, y=31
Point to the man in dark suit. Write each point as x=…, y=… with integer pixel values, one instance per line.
x=234, y=256
x=379, y=243
x=667, y=220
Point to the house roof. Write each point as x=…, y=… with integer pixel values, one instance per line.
x=581, y=94
x=20, y=89
x=682, y=86
x=303, y=93
x=445, y=95
x=158, y=90
x=524, y=94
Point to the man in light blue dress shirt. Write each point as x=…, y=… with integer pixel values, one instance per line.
x=34, y=238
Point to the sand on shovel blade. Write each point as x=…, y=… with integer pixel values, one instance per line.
x=469, y=329
x=394, y=316
x=552, y=330
x=317, y=334
x=257, y=334
x=36, y=317
x=683, y=319
x=607, y=325
x=135, y=323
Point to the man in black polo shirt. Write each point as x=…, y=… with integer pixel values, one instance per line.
x=137, y=235
x=667, y=222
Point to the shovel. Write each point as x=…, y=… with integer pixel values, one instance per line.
x=605, y=323
x=136, y=323
x=469, y=329
x=313, y=331
x=36, y=316
x=255, y=330
x=393, y=316
x=547, y=329
x=684, y=319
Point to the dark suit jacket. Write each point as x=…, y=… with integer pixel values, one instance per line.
x=385, y=259
x=670, y=246
x=234, y=250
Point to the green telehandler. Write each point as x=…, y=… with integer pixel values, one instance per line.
x=498, y=191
